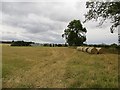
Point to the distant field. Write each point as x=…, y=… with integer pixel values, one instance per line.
x=57, y=67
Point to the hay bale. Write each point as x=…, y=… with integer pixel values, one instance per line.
x=85, y=49
x=82, y=49
x=79, y=48
x=100, y=50
x=92, y=50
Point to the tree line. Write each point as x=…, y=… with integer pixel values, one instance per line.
x=21, y=43
x=103, y=45
x=26, y=43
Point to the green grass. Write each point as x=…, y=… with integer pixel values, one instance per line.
x=57, y=67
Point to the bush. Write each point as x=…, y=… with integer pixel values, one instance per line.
x=21, y=43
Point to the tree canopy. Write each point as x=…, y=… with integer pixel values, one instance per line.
x=75, y=33
x=104, y=10
x=21, y=43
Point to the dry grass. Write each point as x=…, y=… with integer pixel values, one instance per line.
x=55, y=67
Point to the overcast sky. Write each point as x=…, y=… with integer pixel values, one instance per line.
x=45, y=21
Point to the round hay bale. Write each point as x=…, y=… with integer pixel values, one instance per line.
x=85, y=49
x=82, y=48
x=100, y=50
x=79, y=48
x=92, y=50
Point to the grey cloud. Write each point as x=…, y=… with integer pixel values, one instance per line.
x=32, y=23
x=45, y=22
x=58, y=11
x=101, y=35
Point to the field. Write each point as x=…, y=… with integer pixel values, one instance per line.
x=57, y=67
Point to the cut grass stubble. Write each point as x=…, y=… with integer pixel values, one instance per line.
x=56, y=67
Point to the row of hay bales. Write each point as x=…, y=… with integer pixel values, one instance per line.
x=91, y=50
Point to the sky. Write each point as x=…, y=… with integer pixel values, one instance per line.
x=44, y=21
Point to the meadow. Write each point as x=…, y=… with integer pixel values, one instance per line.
x=57, y=67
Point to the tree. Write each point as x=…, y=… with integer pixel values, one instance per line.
x=21, y=43
x=104, y=10
x=75, y=33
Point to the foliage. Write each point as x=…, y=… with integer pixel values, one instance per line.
x=75, y=33
x=6, y=42
x=104, y=10
x=21, y=43
x=53, y=45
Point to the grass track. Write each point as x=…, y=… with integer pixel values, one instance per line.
x=57, y=67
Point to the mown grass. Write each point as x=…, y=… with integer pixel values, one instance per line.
x=57, y=67
x=92, y=71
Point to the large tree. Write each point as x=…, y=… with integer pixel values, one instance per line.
x=75, y=33
x=104, y=10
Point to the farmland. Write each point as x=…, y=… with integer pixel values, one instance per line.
x=57, y=67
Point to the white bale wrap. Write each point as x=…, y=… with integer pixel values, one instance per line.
x=92, y=50
x=100, y=50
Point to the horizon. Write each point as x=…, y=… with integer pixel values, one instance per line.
x=57, y=43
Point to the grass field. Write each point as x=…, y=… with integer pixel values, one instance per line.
x=57, y=67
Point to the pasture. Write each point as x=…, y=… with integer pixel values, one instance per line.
x=57, y=67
